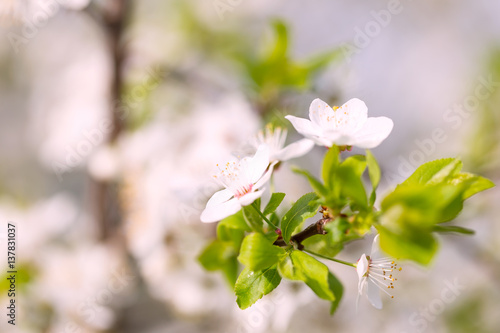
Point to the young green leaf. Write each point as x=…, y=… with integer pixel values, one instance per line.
x=306, y=207
x=351, y=185
x=299, y=266
x=329, y=167
x=274, y=202
x=374, y=173
x=415, y=244
x=235, y=221
x=453, y=228
x=252, y=285
x=434, y=172
x=475, y=184
x=258, y=253
x=316, y=185
x=220, y=255
x=337, y=290
x=252, y=218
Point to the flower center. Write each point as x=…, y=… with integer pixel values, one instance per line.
x=381, y=272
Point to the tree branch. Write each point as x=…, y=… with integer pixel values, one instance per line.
x=314, y=229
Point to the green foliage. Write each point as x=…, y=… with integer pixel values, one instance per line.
x=306, y=207
x=252, y=285
x=274, y=202
x=374, y=173
x=299, y=266
x=258, y=252
x=433, y=194
x=408, y=220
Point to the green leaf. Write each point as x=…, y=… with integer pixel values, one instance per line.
x=337, y=290
x=316, y=185
x=220, y=255
x=258, y=253
x=306, y=207
x=252, y=218
x=434, y=172
x=351, y=185
x=216, y=254
x=414, y=244
x=274, y=202
x=228, y=234
x=475, y=184
x=252, y=285
x=357, y=163
x=329, y=167
x=235, y=221
x=453, y=228
x=299, y=266
x=374, y=173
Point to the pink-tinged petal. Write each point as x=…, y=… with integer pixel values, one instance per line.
x=262, y=181
x=218, y=212
x=373, y=294
x=219, y=197
x=352, y=115
x=258, y=164
x=319, y=111
x=305, y=127
x=250, y=197
x=295, y=149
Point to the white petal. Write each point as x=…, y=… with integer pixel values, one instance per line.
x=218, y=212
x=375, y=253
x=373, y=132
x=373, y=294
x=352, y=115
x=250, y=197
x=259, y=163
x=318, y=111
x=295, y=149
x=266, y=177
x=339, y=138
x=219, y=197
x=305, y=127
x=362, y=266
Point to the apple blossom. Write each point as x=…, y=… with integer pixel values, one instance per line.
x=375, y=273
x=243, y=181
x=275, y=139
x=347, y=125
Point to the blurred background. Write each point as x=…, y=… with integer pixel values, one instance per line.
x=114, y=114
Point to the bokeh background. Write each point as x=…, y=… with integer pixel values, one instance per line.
x=114, y=113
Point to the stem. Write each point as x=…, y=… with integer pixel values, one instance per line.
x=332, y=259
x=313, y=229
x=263, y=216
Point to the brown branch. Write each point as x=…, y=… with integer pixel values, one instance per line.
x=312, y=230
x=105, y=193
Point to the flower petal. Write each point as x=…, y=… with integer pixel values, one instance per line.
x=295, y=149
x=250, y=197
x=264, y=179
x=220, y=197
x=319, y=111
x=373, y=294
x=374, y=131
x=218, y=212
x=375, y=253
x=362, y=266
x=352, y=115
x=258, y=163
x=305, y=127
